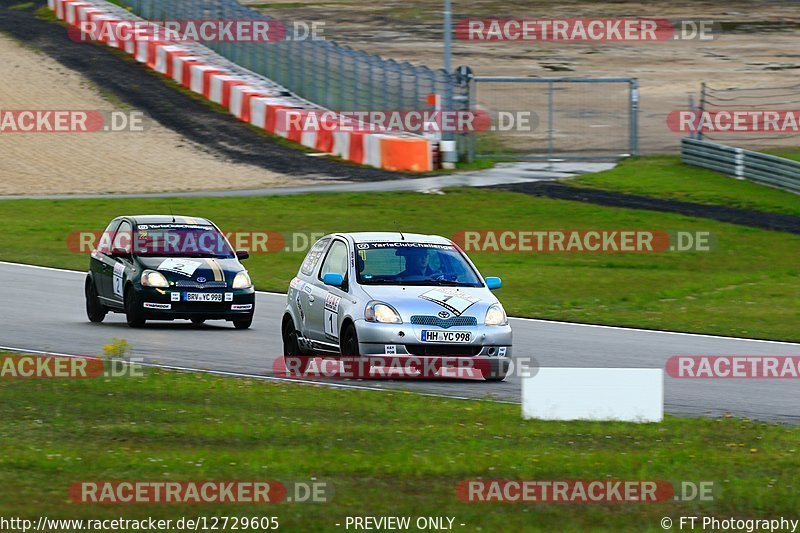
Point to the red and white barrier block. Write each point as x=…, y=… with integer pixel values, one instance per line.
x=247, y=100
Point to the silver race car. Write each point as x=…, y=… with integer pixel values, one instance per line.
x=395, y=294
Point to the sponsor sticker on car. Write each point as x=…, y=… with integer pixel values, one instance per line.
x=202, y=297
x=432, y=335
x=451, y=299
x=119, y=271
x=184, y=267
x=331, y=315
x=152, y=305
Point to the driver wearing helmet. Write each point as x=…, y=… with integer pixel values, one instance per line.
x=416, y=263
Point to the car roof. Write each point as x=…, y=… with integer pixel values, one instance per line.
x=391, y=236
x=168, y=219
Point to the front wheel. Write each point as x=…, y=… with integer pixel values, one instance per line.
x=243, y=323
x=296, y=362
x=495, y=370
x=95, y=311
x=134, y=311
x=349, y=344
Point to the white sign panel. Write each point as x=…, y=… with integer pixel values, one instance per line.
x=625, y=394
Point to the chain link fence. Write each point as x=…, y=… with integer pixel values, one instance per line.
x=715, y=99
x=333, y=76
x=570, y=118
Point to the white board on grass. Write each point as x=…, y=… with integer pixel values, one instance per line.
x=624, y=394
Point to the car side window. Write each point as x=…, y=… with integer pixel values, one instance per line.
x=104, y=245
x=336, y=260
x=313, y=256
x=122, y=239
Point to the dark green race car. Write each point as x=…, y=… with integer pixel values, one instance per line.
x=165, y=267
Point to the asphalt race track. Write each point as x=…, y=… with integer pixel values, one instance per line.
x=43, y=309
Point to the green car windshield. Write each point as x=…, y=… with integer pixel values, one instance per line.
x=180, y=240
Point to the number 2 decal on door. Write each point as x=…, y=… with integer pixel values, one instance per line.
x=119, y=270
x=331, y=316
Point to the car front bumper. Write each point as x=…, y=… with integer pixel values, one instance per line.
x=168, y=304
x=406, y=339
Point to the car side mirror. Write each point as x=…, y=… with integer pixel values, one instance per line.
x=241, y=255
x=120, y=252
x=493, y=283
x=333, y=279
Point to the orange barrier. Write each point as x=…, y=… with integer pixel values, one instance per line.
x=399, y=153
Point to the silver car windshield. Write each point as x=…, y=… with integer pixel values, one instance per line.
x=410, y=263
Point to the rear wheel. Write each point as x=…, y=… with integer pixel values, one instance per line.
x=95, y=311
x=134, y=311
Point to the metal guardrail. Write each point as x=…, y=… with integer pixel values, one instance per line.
x=746, y=164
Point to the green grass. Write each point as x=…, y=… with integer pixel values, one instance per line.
x=667, y=177
x=788, y=153
x=748, y=286
x=22, y=6
x=384, y=453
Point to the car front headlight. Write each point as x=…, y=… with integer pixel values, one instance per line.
x=496, y=316
x=381, y=312
x=151, y=278
x=242, y=281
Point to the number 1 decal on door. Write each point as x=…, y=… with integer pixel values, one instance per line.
x=331, y=316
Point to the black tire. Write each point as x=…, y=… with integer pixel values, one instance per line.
x=95, y=311
x=496, y=370
x=348, y=346
x=198, y=321
x=289, y=335
x=243, y=323
x=291, y=348
x=134, y=312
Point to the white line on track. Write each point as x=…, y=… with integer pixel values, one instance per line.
x=577, y=324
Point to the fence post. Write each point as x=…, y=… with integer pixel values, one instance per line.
x=692, y=134
x=549, y=120
x=634, y=117
x=702, y=110
x=472, y=88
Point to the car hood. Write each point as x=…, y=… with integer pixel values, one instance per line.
x=430, y=300
x=191, y=268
